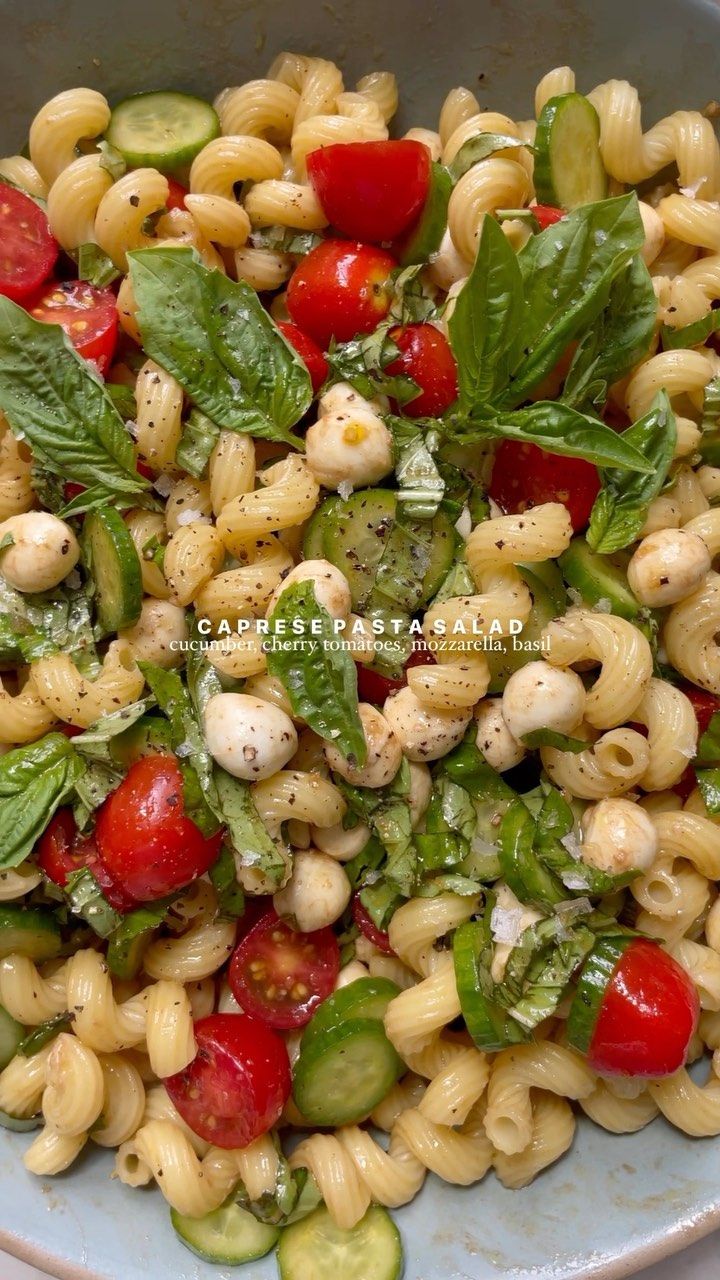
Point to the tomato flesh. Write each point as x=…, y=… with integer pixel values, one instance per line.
x=236, y=1086
x=59, y=854
x=87, y=314
x=340, y=289
x=648, y=1015
x=524, y=476
x=280, y=975
x=176, y=195
x=308, y=351
x=367, y=926
x=371, y=191
x=704, y=705
x=28, y=250
x=147, y=842
x=546, y=215
x=425, y=356
x=375, y=687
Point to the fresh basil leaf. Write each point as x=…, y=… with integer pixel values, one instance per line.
x=552, y=954
x=621, y=337
x=93, y=742
x=690, y=335
x=285, y=240
x=411, y=303
x=35, y=626
x=621, y=507
x=486, y=319
x=253, y=847
x=223, y=877
x=362, y=363
x=317, y=672
x=94, y=265
x=43, y=1033
x=479, y=148
x=99, y=779
x=174, y=700
x=551, y=738
x=87, y=900
x=53, y=400
x=708, y=781
x=199, y=437
x=34, y=782
x=567, y=274
x=112, y=160
x=459, y=582
x=708, y=750
x=558, y=428
x=123, y=398
x=214, y=335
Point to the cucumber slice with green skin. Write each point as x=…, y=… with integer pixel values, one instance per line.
x=365, y=998
x=164, y=130
x=488, y=1023
x=361, y=533
x=317, y=1249
x=551, y=578
x=568, y=166
x=229, y=1235
x=131, y=940
x=29, y=931
x=17, y=1125
x=597, y=578
x=109, y=552
x=529, y=880
x=149, y=736
x=11, y=1037
x=345, y=1071
x=595, y=977
x=313, y=539
x=426, y=236
x=508, y=659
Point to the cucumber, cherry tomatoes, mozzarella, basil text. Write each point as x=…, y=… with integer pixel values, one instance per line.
x=371, y=191
x=87, y=314
x=635, y=1010
x=425, y=356
x=524, y=476
x=237, y=1084
x=28, y=250
x=340, y=289
x=279, y=975
x=146, y=841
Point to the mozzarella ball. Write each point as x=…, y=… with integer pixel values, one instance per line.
x=350, y=973
x=668, y=566
x=424, y=733
x=509, y=919
x=618, y=836
x=539, y=696
x=447, y=266
x=158, y=634
x=340, y=843
x=418, y=797
x=349, y=443
x=316, y=894
x=654, y=232
x=494, y=739
x=44, y=551
x=250, y=738
x=330, y=585
x=384, y=753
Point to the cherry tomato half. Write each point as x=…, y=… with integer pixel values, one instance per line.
x=236, y=1086
x=546, y=215
x=281, y=976
x=372, y=191
x=308, y=351
x=648, y=1015
x=148, y=844
x=87, y=314
x=704, y=705
x=176, y=195
x=366, y=925
x=524, y=476
x=340, y=289
x=28, y=250
x=59, y=854
x=425, y=356
x=375, y=687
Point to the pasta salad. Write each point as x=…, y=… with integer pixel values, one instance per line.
x=359, y=665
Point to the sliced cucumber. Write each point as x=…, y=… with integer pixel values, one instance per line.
x=29, y=931
x=598, y=578
x=314, y=535
x=568, y=165
x=365, y=998
x=113, y=561
x=513, y=655
x=164, y=130
x=425, y=237
x=487, y=1022
x=229, y=1235
x=16, y=1124
x=595, y=977
x=317, y=1249
x=11, y=1037
x=345, y=1071
x=130, y=941
x=148, y=736
x=552, y=579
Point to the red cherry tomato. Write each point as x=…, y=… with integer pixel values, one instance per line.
x=524, y=476
x=59, y=854
x=648, y=1015
x=87, y=314
x=28, y=251
x=372, y=191
x=236, y=1086
x=308, y=351
x=704, y=705
x=374, y=687
x=340, y=289
x=176, y=195
x=147, y=843
x=365, y=924
x=281, y=976
x=546, y=215
x=70, y=730
x=425, y=356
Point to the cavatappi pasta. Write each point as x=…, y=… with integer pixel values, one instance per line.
x=359, y=617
